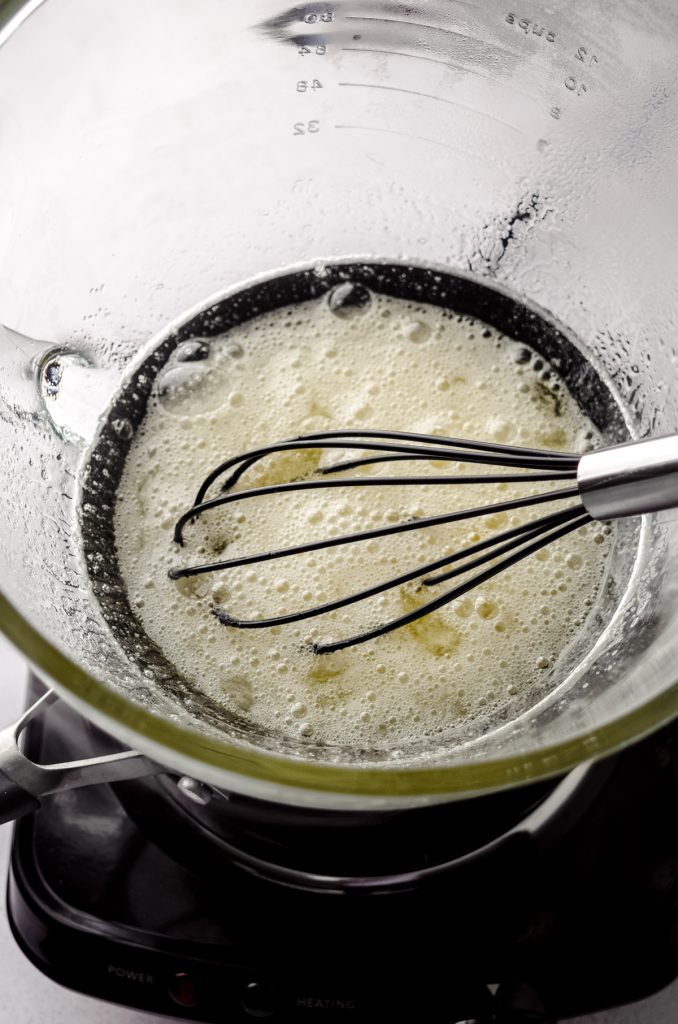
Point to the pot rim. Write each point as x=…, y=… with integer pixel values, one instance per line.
x=284, y=779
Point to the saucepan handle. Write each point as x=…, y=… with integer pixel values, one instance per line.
x=23, y=783
x=15, y=801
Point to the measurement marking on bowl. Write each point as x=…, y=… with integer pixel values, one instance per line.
x=461, y=3
x=432, y=96
x=435, y=28
x=446, y=64
x=394, y=131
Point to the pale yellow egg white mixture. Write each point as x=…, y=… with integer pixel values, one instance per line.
x=393, y=365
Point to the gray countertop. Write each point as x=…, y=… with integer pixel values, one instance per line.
x=30, y=998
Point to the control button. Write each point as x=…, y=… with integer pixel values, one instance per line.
x=185, y=990
x=259, y=1001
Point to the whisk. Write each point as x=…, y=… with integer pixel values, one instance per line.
x=624, y=480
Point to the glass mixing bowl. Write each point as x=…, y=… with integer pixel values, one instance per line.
x=155, y=154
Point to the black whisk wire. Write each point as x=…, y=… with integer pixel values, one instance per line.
x=464, y=451
x=513, y=538
x=456, y=592
x=354, y=538
x=501, y=550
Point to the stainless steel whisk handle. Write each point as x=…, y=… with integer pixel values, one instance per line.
x=630, y=479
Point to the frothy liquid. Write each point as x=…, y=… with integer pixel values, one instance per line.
x=387, y=365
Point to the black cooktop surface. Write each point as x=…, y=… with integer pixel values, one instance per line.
x=115, y=893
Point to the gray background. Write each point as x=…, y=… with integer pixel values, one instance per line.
x=30, y=998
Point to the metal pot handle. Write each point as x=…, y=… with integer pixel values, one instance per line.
x=23, y=783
